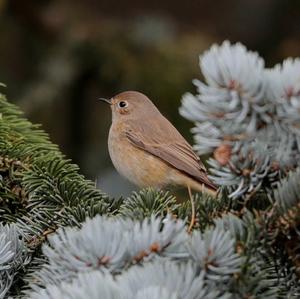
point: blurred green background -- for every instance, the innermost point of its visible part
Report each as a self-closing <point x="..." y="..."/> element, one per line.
<point x="58" y="57"/>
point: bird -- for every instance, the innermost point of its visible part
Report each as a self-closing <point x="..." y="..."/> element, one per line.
<point x="148" y="150"/>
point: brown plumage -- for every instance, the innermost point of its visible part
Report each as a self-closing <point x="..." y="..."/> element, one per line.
<point x="147" y="149"/>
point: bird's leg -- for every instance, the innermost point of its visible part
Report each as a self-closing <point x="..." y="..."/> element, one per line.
<point x="193" y="209"/>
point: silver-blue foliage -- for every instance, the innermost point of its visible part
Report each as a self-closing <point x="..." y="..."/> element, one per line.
<point x="231" y="100"/>
<point x="234" y="225"/>
<point x="110" y="244"/>
<point x="158" y="280"/>
<point x="89" y="285"/>
<point x="250" y="112"/>
<point x="182" y="280"/>
<point x="13" y="256"/>
<point x="287" y="193"/>
<point x="215" y="252"/>
<point x="155" y="257"/>
<point x="283" y="89"/>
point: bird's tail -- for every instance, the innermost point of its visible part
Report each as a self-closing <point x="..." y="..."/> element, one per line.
<point x="206" y="186"/>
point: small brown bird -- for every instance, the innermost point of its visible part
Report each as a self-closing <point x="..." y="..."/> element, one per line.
<point x="148" y="150"/>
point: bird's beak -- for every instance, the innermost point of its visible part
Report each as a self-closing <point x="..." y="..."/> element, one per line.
<point x="108" y="101"/>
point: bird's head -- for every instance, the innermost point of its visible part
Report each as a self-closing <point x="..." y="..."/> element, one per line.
<point x="130" y="105"/>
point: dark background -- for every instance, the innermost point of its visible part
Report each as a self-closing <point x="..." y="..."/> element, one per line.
<point x="58" y="57"/>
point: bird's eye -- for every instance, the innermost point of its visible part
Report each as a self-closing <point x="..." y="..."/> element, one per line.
<point x="122" y="104"/>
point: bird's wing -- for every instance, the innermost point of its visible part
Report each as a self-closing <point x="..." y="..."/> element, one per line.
<point x="166" y="143"/>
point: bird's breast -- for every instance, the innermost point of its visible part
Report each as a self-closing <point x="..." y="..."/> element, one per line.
<point x="138" y="166"/>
